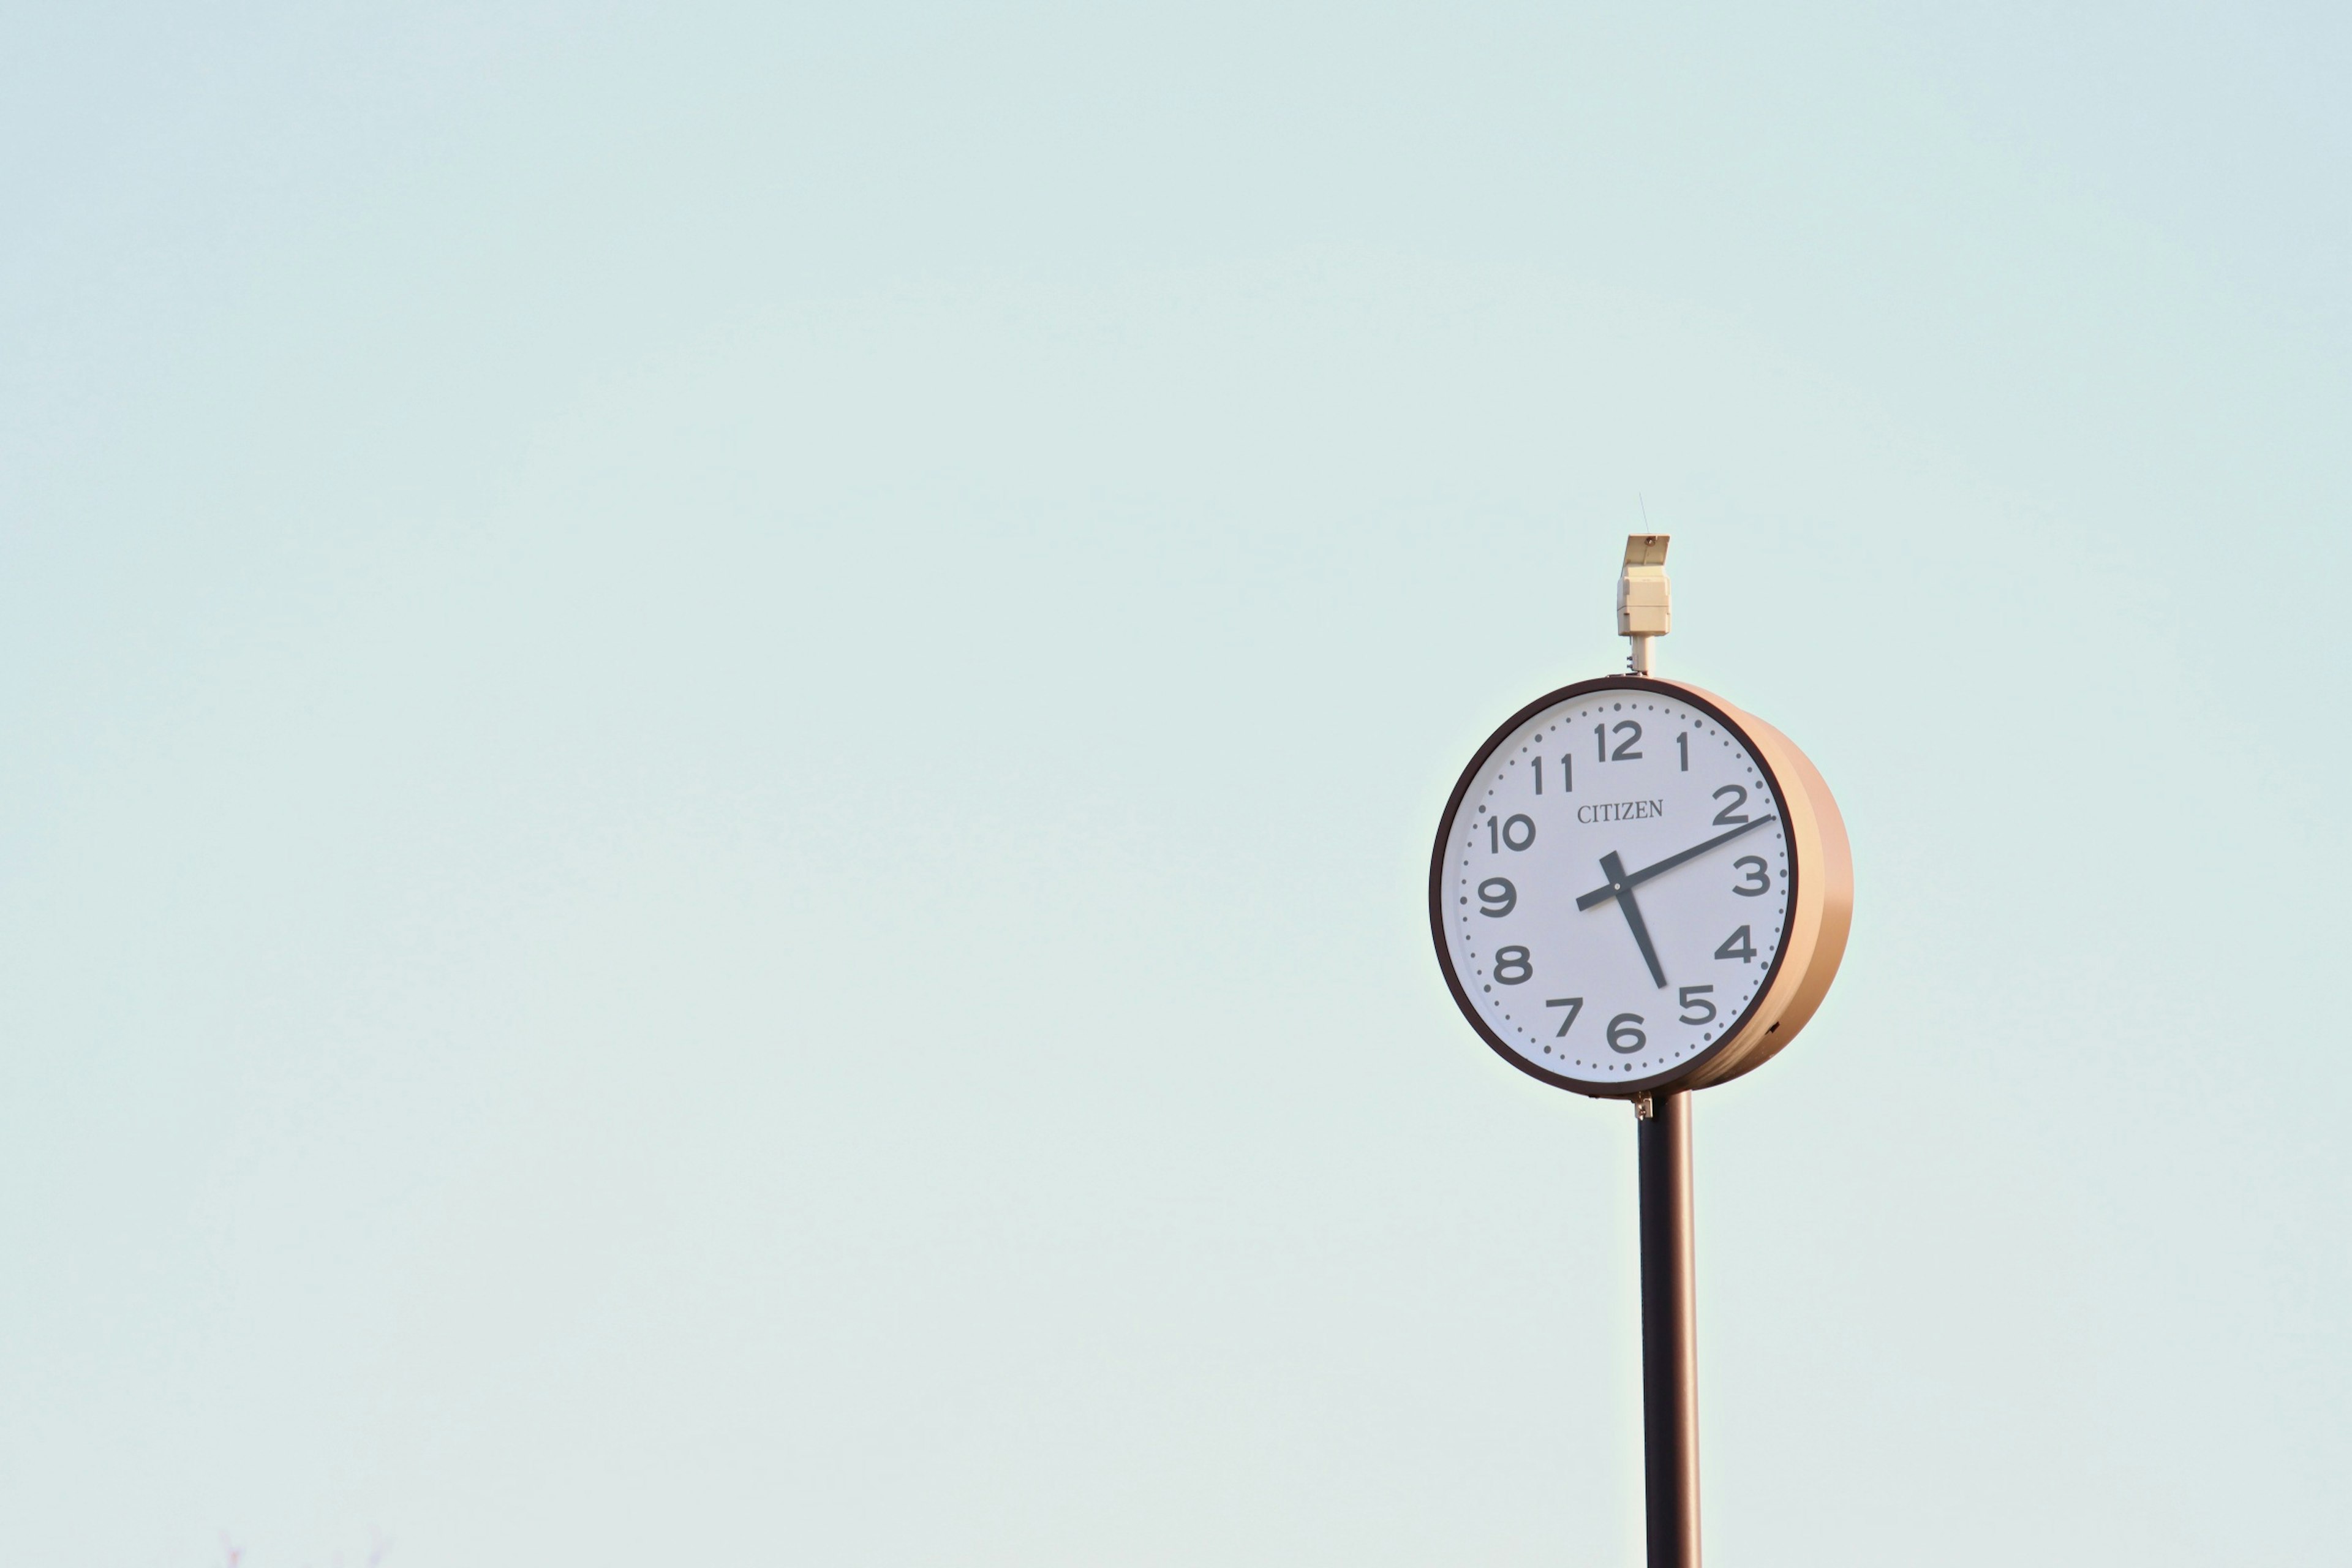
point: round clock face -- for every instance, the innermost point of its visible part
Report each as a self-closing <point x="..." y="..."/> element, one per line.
<point x="1612" y="885"/>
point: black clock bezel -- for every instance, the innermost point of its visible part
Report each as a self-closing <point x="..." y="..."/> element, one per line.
<point x="1627" y="1088"/>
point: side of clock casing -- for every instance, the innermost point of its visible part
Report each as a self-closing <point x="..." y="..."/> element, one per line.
<point x="1820" y="909"/>
<point x="1820" y="917"/>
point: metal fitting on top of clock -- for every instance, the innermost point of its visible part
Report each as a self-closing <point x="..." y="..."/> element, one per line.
<point x="1645" y="599"/>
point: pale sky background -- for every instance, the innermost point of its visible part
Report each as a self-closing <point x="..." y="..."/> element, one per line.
<point x="719" y="728"/>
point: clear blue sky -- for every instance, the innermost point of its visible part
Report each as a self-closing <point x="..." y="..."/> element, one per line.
<point x="718" y="728"/>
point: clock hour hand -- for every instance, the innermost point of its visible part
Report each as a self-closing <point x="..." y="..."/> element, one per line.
<point x="1621" y="887"/>
<point x="1602" y="895"/>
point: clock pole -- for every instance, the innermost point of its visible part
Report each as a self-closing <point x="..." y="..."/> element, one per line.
<point x="1669" y="1303"/>
<point x="1669" y="1330"/>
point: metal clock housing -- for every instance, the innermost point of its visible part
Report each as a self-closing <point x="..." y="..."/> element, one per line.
<point x="1637" y="887"/>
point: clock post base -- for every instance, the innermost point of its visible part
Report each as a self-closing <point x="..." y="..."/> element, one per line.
<point x="1669" y="1331"/>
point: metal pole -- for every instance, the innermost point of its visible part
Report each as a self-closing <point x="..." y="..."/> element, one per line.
<point x="1669" y="1331"/>
<point x="1669" y="1310"/>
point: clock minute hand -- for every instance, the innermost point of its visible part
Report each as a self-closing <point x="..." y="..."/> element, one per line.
<point x="1602" y="895"/>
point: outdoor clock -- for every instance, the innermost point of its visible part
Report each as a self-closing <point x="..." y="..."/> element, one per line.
<point x="1636" y="887"/>
<point x="1638" y="890"/>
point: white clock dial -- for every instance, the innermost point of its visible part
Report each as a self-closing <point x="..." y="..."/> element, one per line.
<point x="1612" y="886"/>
